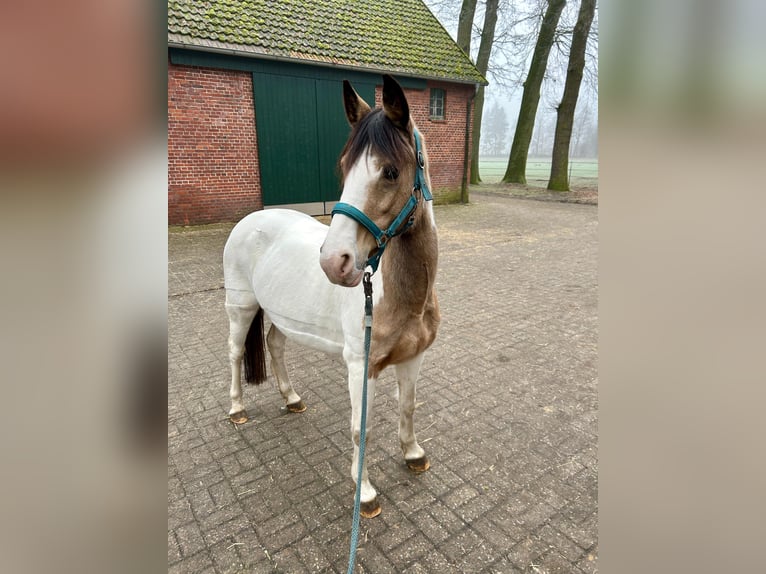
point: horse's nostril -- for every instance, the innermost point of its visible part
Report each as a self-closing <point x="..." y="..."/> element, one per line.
<point x="345" y="263"/>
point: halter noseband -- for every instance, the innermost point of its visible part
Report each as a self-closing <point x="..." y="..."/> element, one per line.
<point x="401" y="222"/>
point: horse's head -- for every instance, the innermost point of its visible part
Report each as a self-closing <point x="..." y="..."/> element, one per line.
<point x="379" y="166"/>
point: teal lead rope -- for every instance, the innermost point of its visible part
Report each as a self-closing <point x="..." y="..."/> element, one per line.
<point x="363" y="431"/>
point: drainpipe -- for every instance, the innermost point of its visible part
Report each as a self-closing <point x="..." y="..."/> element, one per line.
<point x="467" y="150"/>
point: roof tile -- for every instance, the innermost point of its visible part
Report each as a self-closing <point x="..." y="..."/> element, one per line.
<point x="399" y="36"/>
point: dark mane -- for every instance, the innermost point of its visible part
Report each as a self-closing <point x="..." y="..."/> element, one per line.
<point x="376" y="131"/>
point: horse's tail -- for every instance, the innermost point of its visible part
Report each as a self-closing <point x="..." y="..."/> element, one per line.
<point x="255" y="351"/>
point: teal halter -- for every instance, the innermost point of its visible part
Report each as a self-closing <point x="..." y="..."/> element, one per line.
<point x="401" y="222"/>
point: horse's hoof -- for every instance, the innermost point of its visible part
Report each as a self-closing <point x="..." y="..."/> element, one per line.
<point x="238" y="418"/>
<point x="370" y="509"/>
<point x="418" y="465"/>
<point x="298" y="407"/>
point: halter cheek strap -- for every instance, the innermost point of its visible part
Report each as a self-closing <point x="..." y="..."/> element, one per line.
<point x="401" y="222"/>
<point x="399" y="225"/>
<point x="420" y="176"/>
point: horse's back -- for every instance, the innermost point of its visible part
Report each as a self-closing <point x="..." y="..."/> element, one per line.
<point x="268" y="235"/>
<point x="272" y="258"/>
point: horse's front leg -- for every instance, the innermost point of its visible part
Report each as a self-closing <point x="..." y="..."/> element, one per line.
<point x="369" y="497"/>
<point x="414" y="455"/>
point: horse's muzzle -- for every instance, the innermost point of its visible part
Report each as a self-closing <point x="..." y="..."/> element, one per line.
<point x="340" y="268"/>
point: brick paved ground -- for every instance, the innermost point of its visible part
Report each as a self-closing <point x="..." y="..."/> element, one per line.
<point x="507" y="412"/>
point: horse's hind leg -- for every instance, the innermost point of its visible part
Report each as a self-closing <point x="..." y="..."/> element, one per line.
<point x="414" y="455"/>
<point x="276" y="342"/>
<point x="240" y="319"/>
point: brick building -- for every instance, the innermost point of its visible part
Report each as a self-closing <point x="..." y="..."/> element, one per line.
<point x="255" y="110"/>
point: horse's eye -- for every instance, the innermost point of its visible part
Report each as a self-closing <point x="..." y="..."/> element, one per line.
<point x="390" y="173"/>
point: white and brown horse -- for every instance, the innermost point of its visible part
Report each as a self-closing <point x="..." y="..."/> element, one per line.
<point x="278" y="262"/>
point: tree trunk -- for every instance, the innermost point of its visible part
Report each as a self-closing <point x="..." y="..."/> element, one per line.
<point x="517" y="161"/>
<point x="482" y="63"/>
<point x="465" y="25"/>
<point x="559" y="180"/>
<point x="478" y="112"/>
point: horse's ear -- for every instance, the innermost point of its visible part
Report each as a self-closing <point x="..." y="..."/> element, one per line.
<point x="395" y="103"/>
<point x="356" y="107"/>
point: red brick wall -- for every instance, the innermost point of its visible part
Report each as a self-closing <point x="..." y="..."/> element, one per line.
<point x="212" y="150"/>
<point x="445" y="139"/>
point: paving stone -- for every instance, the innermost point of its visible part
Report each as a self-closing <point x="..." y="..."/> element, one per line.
<point x="312" y="555"/>
<point x="190" y="540"/>
<point x="281" y="531"/>
<point x="179" y="512"/>
<point x="175" y="489"/>
<point x="251" y="552"/>
<point x="561" y="543"/>
<point x="434" y="562"/>
<point x="430" y="527"/>
<point x="446" y="518"/>
<point x="202" y="503"/>
<point x="215" y="532"/>
<point x="502" y="566"/>
<point x="174" y="551"/>
<point x="198" y="564"/>
<point x="554" y="563"/>
<point x="468" y="550"/>
<point x="460" y="496"/>
<point x="584" y="534"/>
<point x="527" y="552"/>
<point x="225" y="557"/>
<point x="589" y="562"/>
<point x="395" y="535"/>
<point x="370" y="558"/>
<point x="500" y="538"/>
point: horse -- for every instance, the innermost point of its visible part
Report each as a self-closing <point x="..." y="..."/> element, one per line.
<point x="305" y="276"/>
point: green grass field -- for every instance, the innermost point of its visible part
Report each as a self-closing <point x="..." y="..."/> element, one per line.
<point x="583" y="172"/>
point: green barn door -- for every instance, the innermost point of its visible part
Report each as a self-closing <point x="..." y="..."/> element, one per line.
<point x="302" y="129"/>
<point x="333" y="130"/>
<point x="285" y="118"/>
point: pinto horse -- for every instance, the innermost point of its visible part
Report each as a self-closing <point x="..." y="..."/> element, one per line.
<point x="305" y="277"/>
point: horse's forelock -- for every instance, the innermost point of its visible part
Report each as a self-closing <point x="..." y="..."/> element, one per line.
<point x="376" y="132"/>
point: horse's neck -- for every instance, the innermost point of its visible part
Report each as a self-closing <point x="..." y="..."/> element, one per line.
<point x="410" y="268"/>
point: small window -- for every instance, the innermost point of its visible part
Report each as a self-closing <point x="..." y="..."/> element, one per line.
<point x="437" y="104"/>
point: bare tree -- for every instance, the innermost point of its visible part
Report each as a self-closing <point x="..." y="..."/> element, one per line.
<point x="482" y="61"/>
<point x="465" y="25"/>
<point x="516" y="31"/>
<point x="559" y="180"/>
<point x="517" y="162"/>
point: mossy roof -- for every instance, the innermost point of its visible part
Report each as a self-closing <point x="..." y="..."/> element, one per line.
<point x="397" y="36"/>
